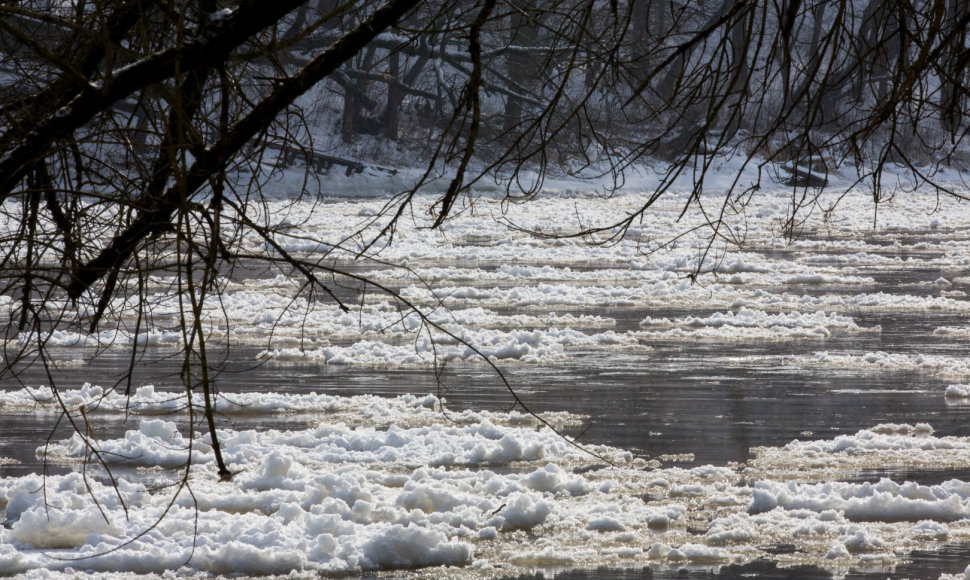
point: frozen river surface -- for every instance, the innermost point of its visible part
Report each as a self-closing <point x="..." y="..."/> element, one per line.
<point x="800" y="409"/>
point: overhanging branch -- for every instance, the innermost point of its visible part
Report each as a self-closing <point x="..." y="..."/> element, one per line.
<point x="214" y="157"/>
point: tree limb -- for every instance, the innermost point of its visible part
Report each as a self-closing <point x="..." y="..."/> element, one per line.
<point x="214" y="157"/>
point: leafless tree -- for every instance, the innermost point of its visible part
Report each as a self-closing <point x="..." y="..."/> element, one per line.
<point x="133" y="135"/>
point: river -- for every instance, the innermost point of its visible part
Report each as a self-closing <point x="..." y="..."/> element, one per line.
<point x="844" y="329"/>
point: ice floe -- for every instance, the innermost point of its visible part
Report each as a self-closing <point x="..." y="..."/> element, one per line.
<point x="395" y="483"/>
<point x="534" y="299"/>
<point x="369" y="483"/>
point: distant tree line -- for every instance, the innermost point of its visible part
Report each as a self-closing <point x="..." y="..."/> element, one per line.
<point x="133" y="134"/>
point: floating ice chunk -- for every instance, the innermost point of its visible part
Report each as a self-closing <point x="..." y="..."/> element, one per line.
<point x="958" y="391"/>
<point x="522" y="511"/>
<point x="748" y="324"/>
<point x="860" y="540"/>
<point x="275" y="473"/>
<point x="929" y="530"/>
<point x="605" y="523"/>
<point x="552" y="479"/>
<point x="954" y="331"/>
<point x="945" y="366"/>
<point x="660" y="518"/>
<point x="523" y="345"/>
<point x="12" y="561"/>
<point x="687" y="490"/>
<point x="885" y="501"/>
<point x="108" y="338"/>
<point x="56" y="528"/>
<point x="233" y="555"/>
<point x="838" y="550"/>
<point x="431" y="498"/>
<point x="922" y="429"/>
<point x="694" y="553"/>
<point x="742" y="265"/>
<point x="816" y="278"/>
<point x="164" y="431"/>
<point x="658" y="551"/>
<point x="407" y="547"/>
<point x="914" y="446"/>
<point x="156" y="442"/>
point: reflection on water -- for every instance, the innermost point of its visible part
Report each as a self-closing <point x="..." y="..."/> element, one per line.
<point x="949" y="559"/>
<point x="711" y="400"/>
<point x="705" y="398"/>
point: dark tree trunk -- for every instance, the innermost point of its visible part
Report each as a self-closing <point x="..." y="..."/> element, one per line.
<point x="523" y="65"/>
<point x="395" y="98"/>
<point x="952" y="95"/>
<point x="353" y="121"/>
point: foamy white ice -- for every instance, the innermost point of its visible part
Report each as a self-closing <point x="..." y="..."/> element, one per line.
<point x="535" y="299"/>
<point x="377" y="484"/>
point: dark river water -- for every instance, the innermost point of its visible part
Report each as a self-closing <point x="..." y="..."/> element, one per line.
<point x="712" y="400"/>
